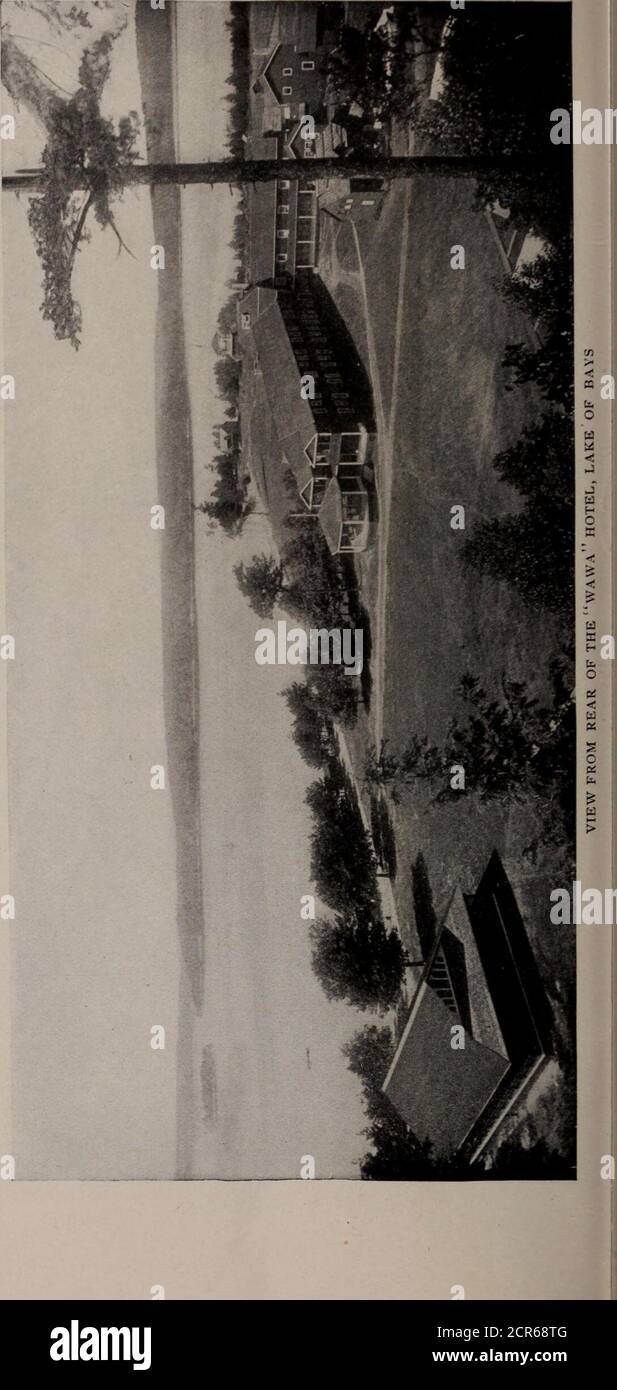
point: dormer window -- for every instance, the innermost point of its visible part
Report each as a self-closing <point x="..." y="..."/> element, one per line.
<point x="289" y="72"/>
<point x="287" y="91"/>
<point x="307" y="66"/>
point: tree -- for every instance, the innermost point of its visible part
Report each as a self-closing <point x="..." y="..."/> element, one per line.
<point x="361" y="66"/>
<point x="227" y="378"/>
<point x="369" y="1054"/>
<point x="334" y="692"/>
<point x="85" y="163"/>
<point x="505" y="68"/>
<point x="396" y="1154"/>
<point x="357" y="69"/>
<point x="358" y="960"/>
<point x="240" y="76"/>
<point x="535" y="1162"/>
<point x="534" y="549"/>
<point x="427" y="922"/>
<point x="318" y="587"/>
<point x="544" y="292"/>
<point x="63" y="18"/>
<point x="262" y="583"/>
<point x="510" y="749"/>
<point x="343" y="864"/>
<point x="487" y="106"/>
<point x="312" y="730"/>
<point x="85" y="155"/>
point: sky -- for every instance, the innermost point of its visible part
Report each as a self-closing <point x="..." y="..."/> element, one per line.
<point x="95" y="962"/>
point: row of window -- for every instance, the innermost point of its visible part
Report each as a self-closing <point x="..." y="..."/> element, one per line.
<point x="301" y="264"/>
<point x="306" y="66"/>
<point x="283" y="211"/>
<point x="283" y="233"/>
<point x="307" y="186"/>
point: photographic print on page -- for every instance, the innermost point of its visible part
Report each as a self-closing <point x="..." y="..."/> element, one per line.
<point x="291" y="469"/>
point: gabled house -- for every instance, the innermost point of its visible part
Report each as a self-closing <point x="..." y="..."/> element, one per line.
<point x="225" y="437"/>
<point x="344" y="514"/>
<point x="479" y="1028"/>
<point x="328" y="141"/>
<point x="357" y="199"/>
<point x="224" y="343"/>
<point x="295" y="75"/>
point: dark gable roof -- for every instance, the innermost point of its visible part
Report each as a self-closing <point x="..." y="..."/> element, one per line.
<point x="262" y="18"/>
<point x="293" y="417"/>
<point x="331" y="515"/>
<point x="262" y="83"/>
<point x="481" y="975"/>
<point x="439" y="1090"/>
<point x="298" y="24"/>
<point x="262" y="227"/>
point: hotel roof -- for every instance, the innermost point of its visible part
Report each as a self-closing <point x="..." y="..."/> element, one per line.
<point x="269" y="340"/>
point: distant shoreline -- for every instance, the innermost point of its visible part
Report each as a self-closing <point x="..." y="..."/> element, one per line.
<point x="174" y="465"/>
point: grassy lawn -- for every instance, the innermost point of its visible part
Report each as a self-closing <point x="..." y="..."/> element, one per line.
<point x="449" y="416"/>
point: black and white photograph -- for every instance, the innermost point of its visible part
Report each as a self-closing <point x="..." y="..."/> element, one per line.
<point x="288" y="411"/>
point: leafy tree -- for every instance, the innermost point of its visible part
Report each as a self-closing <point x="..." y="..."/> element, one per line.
<point x="510" y="748"/>
<point x="86" y="155"/>
<point x="228" y="511"/>
<point x="63" y="18"/>
<point x="240" y="76"/>
<point x="486" y="106"/>
<point x="534" y="549"/>
<point x="85" y="164"/>
<point x="358" y="960"/>
<point x="227" y="378"/>
<point x="229" y="503"/>
<point x="369" y="1054"/>
<point x="312" y="730"/>
<point x="356" y="69"/>
<point x="342" y="860"/>
<point x="396" y="1154"/>
<point x="423" y="905"/>
<point x="384" y="838"/>
<point x="317" y="589"/>
<point x="544" y="292"/>
<point x="334" y="692"/>
<point x="505" y="68"/>
<point x="262" y="583"/>
<point x="512" y="1161"/>
<point x="361" y="65"/>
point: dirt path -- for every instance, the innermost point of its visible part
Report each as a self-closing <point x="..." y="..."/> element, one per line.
<point x="385" y="449"/>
